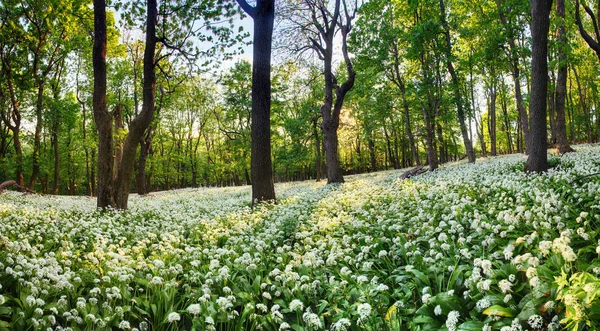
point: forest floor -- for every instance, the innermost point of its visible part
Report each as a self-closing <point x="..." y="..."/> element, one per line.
<point x="467" y="247"/>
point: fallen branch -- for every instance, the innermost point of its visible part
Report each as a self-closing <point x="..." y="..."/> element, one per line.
<point x="413" y="172"/>
<point x="582" y="177"/>
<point x="9" y="183"/>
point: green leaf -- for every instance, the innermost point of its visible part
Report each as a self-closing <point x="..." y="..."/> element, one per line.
<point x="471" y="326"/>
<point x="497" y="310"/>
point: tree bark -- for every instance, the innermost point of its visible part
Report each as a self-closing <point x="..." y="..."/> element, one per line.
<point x="102" y="117"/>
<point x="540" y="25"/>
<point x="141" y="122"/>
<point x="456" y="87"/>
<point x="492" y="118"/>
<point x="35" y="170"/>
<point x="562" y="144"/>
<point x="318" y="162"/>
<point x="506" y="121"/>
<point x="263" y="188"/>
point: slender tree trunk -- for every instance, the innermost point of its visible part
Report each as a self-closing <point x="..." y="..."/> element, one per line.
<point x="400" y="83"/>
<point x="56" y="161"/>
<point x="516" y="73"/>
<point x="481" y="135"/>
<point x="456" y="87"/>
<point x="101" y="115"/>
<point x="562" y="144"/>
<point x="583" y="106"/>
<point x="506" y="122"/>
<point x="431" y="146"/>
<point x="37" y="137"/>
<point x="372" y="154"/>
<point x="540" y="25"/>
<point x="492" y="118"/>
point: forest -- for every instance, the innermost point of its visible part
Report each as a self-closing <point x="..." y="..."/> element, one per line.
<point x="431" y="82"/>
<point x="299" y="165"/>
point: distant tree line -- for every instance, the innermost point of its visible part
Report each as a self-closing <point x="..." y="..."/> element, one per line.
<point x="359" y="87"/>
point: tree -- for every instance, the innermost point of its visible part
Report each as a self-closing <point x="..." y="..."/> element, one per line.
<point x="263" y="15"/>
<point x="102" y="117"/>
<point x="317" y="23"/>
<point x="594" y="44"/>
<point x="11" y="37"/>
<point x="562" y="143"/>
<point x="540" y="26"/>
<point x="505" y="11"/>
<point x="456" y="85"/>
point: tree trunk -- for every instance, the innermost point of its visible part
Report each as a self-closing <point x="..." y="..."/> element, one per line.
<point x="540" y="25"/>
<point x="330" y="139"/>
<point x="140" y="123"/>
<point x="516" y="73"/>
<point x="56" y="158"/>
<point x="584" y="107"/>
<point x="261" y="165"/>
<point x="560" y="128"/>
<point x="372" y="154"/>
<point x="492" y="118"/>
<point x="506" y="122"/>
<point x="318" y="162"/>
<point x="456" y="87"/>
<point x="481" y="135"/>
<point x="119" y="126"/>
<point x="101" y="115"/>
<point x="432" y="157"/>
<point x="37" y="137"/>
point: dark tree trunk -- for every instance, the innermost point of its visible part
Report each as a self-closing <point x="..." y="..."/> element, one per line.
<point x="318" y="162"/>
<point x="516" y="73"/>
<point x="432" y="157"/>
<point x="584" y="107"/>
<point x="481" y="135"/>
<point x="540" y="25"/>
<point x="102" y="117"/>
<point x="37" y="137"/>
<point x="492" y="118"/>
<point x="119" y="126"/>
<point x="409" y="132"/>
<point x="506" y="122"/>
<point x="372" y="154"/>
<point x="261" y="165"/>
<point x="56" y="163"/>
<point x="330" y="140"/>
<point x="140" y="123"/>
<point x="399" y="81"/>
<point x="145" y="146"/>
<point x="456" y="87"/>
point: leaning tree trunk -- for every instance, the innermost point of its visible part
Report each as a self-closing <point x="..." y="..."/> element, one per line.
<point x="456" y="87"/>
<point x="540" y="25"/>
<point x="102" y="117"/>
<point x="560" y="128"/>
<point x="140" y="123"/>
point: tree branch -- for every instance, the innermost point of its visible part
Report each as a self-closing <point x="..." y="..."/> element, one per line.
<point x="251" y="11"/>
